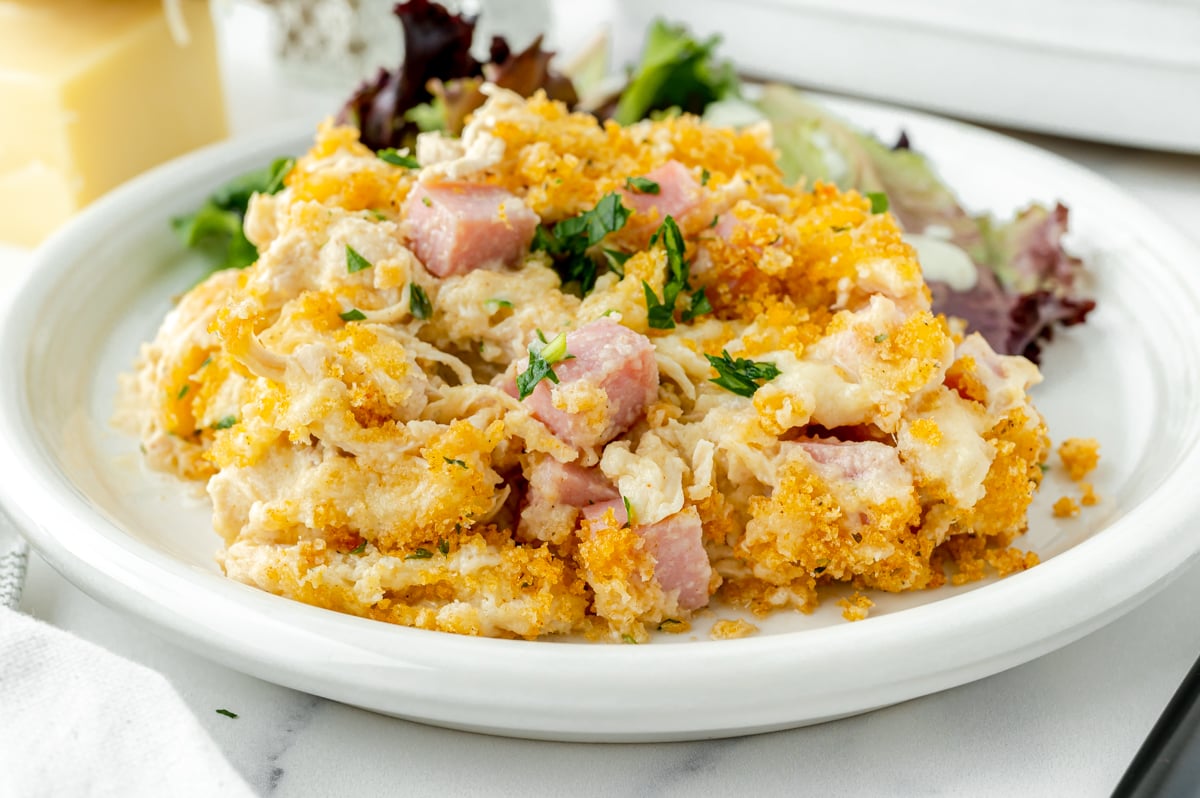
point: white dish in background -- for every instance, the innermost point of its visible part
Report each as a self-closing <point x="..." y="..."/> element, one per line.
<point x="1121" y="71"/>
<point x="142" y="542"/>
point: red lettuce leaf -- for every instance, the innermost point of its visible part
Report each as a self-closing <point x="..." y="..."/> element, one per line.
<point x="440" y="78"/>
<point x="1026" y="285"/>
<point x="437" y="44"/>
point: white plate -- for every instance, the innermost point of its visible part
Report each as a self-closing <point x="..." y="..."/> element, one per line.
<point x="143" y="542"/>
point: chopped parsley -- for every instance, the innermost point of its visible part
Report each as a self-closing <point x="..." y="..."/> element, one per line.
<point x="353" y="314"/>
<point x="226" y="422"/>
<point x="716" y="219"/>
<point x="879" y="201"/>
<point x="494" y="304"/>
<point x="1044" y="466"/>
<point x="822" y="564"/>
<point x="182" y="392"/>
<point x="629" y="639"/>
<point x="392" y="156"/>
<point x="628" y="513"/>
<point x="207" y="360"/>
<point x="741" y="376"/>
<point x="420" y="554"/>
<point x="541" y="362"/>
<point x="354" y="261"/>
<point x="427" y="202"/>
<point x="360" y="548"/>
<point x="667" y="623"/>
<point x="642" y="185"/>
<point x="227" y="713"/>
<point x="616" y="260"/>
<point x="568" y="242"/>
<point x="704" y="176"/>
<point x="451" y="461"/>
<point x="700" y="306"/>
<point x="443" y="546"/>
<point x="661" y="315"/>
<point x="418" y="302"/>
<point x="880" y="338"/>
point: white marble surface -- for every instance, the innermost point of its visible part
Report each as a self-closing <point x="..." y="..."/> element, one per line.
<point x="1065" y="724"/>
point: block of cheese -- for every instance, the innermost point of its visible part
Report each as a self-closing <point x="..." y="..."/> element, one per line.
<point x="93" y="92"/>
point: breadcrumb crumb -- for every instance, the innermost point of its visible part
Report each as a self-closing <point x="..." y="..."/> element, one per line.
<point x="856" y="608"/>
<point x="1066" y="507"/>
<point x="1079" y="456"/>
<point x="731" y="630"/>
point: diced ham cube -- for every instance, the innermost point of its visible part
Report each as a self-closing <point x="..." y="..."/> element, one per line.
<point x="458" y="227"/>
<point x="680" y="561"/>
<point x="677" y="545"/>
<point x="594" y="512"/>
<point x="556" y="492"/>
<point x="860" y="473"/>
<point x="850" y="460"/>
<point x="603" y="388"/>
<point x="678" y="194"/>
<point x="566" y="483"/>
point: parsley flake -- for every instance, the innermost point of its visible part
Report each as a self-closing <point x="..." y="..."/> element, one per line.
<point x="360" y="548"/>
<point x="494" y="304"/>
<point x="207" y="360"/>
<point x="642" y="185"/>
<point x="568" y="242"/>
<point x="704" y="176"/>
<point x="227" y="713"/>
<point x="700" y="306"/>
<point x="741" y="376"/>
<point x="392" y="156"/>
<point x="451" y="461"/>
<point x="353" y="314"/>
<point x="420" y="554"/>
<point x="1044" y="466"/>
<point x="182" y="392"/>
<point x="616" y="260"/>
<point x="879" y="201"/>
<point x="661" y="315"/>
<point x="541" y="361"/>
<point x="628" y="513"/>
<point x="418" y="302"/>
<point x="444" y="546"/>
<point x="427" y="202"/>
<point x="354" y="261"/>
<point x="629" y="639"/>
<point x="880" y="338"/>
<point x="226" y="422"/>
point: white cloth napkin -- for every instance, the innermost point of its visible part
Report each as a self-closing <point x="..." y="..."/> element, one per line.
<point x="76" y="720"/>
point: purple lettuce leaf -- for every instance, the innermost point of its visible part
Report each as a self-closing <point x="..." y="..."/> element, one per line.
<point x="437" y="85"/>
<point x="437" y="44"/>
